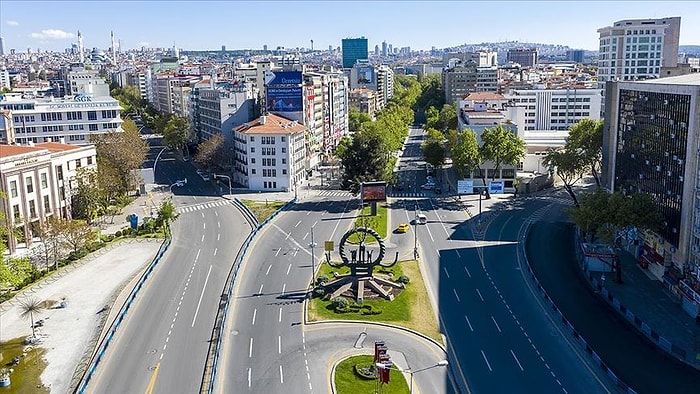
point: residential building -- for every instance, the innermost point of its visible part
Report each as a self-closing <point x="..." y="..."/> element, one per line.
<point x="270" y="152"/>
<point x="220" y="107"/>
<point x="354" y="49"/>
<point x="385" y="85"/>
<point x="651" y="144"/>
<point x="364" y="100"/>
<point x="325" y="113"/>
<point x="575" y="55"/>
<point x="636" y="49"/>
<point x="526" y="57"/>
<point x="37" y="182"/>
<point x="553" y="109"/>
<point x="87" y="82"/>
<point x="480" y="59"/>
<point x="71" y="119"/>
<point x="461" y="79"/>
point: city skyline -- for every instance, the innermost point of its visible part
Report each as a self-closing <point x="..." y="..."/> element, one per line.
<point x="415" y="24"/>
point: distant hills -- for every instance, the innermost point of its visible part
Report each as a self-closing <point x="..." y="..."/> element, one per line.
<point x="689" y="49"/>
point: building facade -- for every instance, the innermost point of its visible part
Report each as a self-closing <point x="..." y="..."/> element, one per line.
<point x="69" y="119"/>
<point x="38" y="181"/>
<point x="269" y="154"/>
<point x="651" y="145"/>
<point x="354" y="49"/>
<point x="636" y="49"/>
<point x="553" y="109"/>
<point x="526" y="57"/>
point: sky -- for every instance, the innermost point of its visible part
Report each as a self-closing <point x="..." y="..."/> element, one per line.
<point x="207" y="25"/>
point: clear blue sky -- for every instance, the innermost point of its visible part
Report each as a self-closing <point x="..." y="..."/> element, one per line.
<point x="53" y="25"/>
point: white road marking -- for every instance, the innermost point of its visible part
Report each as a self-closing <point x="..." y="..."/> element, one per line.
<point x="281" y="375"/>
<point x="196" y="311"/>
<point x="307" y="234"/>
<point x="494" y="322"/>
<point x="288" y="235"/>
<point x="459" y="256"/>
<point x="215" y="249"/>
<point x="202" y="214"/>
<point x="517" y="361"/>
<point x="467" y="271"/>
<point x="446" y="273"/>
<point x="204" y="225"/>
<point x="216" y="213"/>
<point x="279" y="344"/>
<point x="479" y="293"/>
<point x="197" y="257"/>
<point x="268" y="269"/>
<point x="280" y="317"/>
<point x="278" y="252"/>
<point x="218" y="237"/>
<point x="297" y="225"/>
<point x="255" y="312"/>
<point x="487" y="361"/>
<point x="250" y="348"/>
<point x="456" y="295"/>
<point x="289" y="268"/>
<point x="202" y="237"/>
<point x="249" y="377"/>
<point x="218" y="224"/>
<point x="284" y="287"/>
<point x="469" y="323"/>
<point x="260" y="291"/>
<point x="296" y="251"/>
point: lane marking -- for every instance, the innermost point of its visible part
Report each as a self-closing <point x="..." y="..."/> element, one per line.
<point x="467" y="271"/>
<point x="279" y="344"/>
<point x="487" y="361"/>
<point x="281" y="376"/>
<point x="204" y="225"/>
<point x="248" y="377"/>
<point x="307" y="234"/>
<point x="297" y="225"/>
<point x="255" y="312"/>
<point x="268" y="269"/>
<point x="202" y="237"/>
<point x="284" y="286"/>
<point x="494" y="322"/>
<point x="517" y="361"/>
<point x="218" y="237"/>
<point x="459" y="256"/>
<point x="218" y="224"/>
<point x="288" y="235"/>
<point x="308" y="213"/>
<point x="479" y="293"/>
<point x="250" y="348"/>
<point x="260" y="291"/>
<point x="289" y="268"/>
<point x="456" y="295"/>
<point x="469" y="323"/>
<point x="152" y="381"/>
<point x="446" y="273"/>
<point x="196" y="311"/>
<point x="215" y="250"/>
<point x="280" y="317"/>
<point x="197" y="257"/>
<point x="278" y="252"/>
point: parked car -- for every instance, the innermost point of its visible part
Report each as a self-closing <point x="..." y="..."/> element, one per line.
<point x="402" y="228"/>
<point x="421" y="219"/>
<point x="428" y="186"/>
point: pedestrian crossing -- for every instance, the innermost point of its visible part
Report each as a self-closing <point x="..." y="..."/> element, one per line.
<point x="335" y="193"/>
<point x="205" y="205"/>
<point x="347" y="194"/>
<point x="408" y="194"/>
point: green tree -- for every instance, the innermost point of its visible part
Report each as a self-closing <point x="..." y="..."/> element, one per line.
<point x="28" y="307"/>
<point x="76" y="234"/>
<point x="211" y="151"/>
<point x="118" y="154"/>
<point x="502" y="147"/>
<point x="365" y="159"/>
<point x="586" y="138"/>
<point x="568" y="166"/>
<point x="464" y="149"/>
<point x="15" y="271"/>
<point x="4" y="230"/>
<point x="434" y="151"/>
<point x="447" y="117"/>
<point x="87" y="197"/>
<point x="166" y="215"/>
<point x="357" y="119"/>
<point x="176" y="133"/>
<point x="49" y="250"/>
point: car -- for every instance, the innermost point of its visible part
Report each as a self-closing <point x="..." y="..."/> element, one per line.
<point x="200" y="171"/>
<point x="205" y="177"/>
<point x="402" y="228"/>
<point x="421" y="219"/>
<point x="428" y="186"/>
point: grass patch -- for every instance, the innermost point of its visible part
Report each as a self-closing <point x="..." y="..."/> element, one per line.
<point x="25" y="377"/>
<point x="347" y="381"/>
<point x="377" y="223"/>
<point x="410" y="309"/>
<point x="263" y="210"/>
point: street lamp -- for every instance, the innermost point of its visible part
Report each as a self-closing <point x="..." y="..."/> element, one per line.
<point x="478" y="222"/>
<point x="179" y="183"/>
<point x="155" y="162"/>
<point x="441" y="363"/>
<point x="415" y="232"/>
<point x="227" y="178"/>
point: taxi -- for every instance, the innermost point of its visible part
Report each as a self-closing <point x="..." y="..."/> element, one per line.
<point x="403" y="227"/>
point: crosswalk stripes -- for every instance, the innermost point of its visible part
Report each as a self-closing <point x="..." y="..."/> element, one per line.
<point x="334" y="193"/>
<point x="407" y="194"/>
<point x="205" y="205"/>
<point x="344" y="193"/>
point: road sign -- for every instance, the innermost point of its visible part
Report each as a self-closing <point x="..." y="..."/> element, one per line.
<point x="496" y="187"/>
<point x="328" y="246"/>
<point x="465" y="186"/>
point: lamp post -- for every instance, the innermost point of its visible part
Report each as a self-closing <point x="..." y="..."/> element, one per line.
<point x="312" y="245"/>
<point x="155" y="162"/>
<point x="441" y="363"/>
<point x="415" y="232"/>
<point x="178" y="183"/>
<point x="228" y="178"/>
<point x="478" y="222"/>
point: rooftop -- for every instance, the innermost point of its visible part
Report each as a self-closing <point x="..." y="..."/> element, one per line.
<point x="688" y="79"/>
<point x="14" y="150"/>
<point x="271" y="124"/>
<point x="480" y="96"/>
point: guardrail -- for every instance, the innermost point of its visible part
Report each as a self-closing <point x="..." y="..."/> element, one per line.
<point x="209" y="376"/>
<point x="120" y="317"/>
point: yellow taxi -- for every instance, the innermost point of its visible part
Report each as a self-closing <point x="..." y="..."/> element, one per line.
<point x="403" y="227"/>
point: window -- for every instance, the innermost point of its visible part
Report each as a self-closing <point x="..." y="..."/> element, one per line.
<point x="252" y="138"/>
<point x="13" y="188"/>
<point x="284" y="172"/>
<point x="283" y="138"/>
<point x="30" y="185"/>
<point x="15" y="211"/>
<point x="59" y="172"/>
<point x="62" y="192"/>
<point x="44" y="181"/>
<point x="92" y="127"/>
<point x="284" y="161"/>
<point x="284" y="150"/>
<point x="89" y="160"/>
<point x="252" y="160"/>
<point x="92" y="115"/>
<point x="252" y="149"/>
<point x="32" y="209"/>
<point x="47" y="206"/>
<point x="77" y="163"/>
<point x="252" y="171"/>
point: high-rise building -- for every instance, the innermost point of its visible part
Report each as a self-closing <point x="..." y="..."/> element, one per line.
<point x="2" y="46"/>
<point x="575" y="55"/>
<point x="636" y="49"/>
<point x="385" y="48"/>
<point x="650" y="145"/>
<point x="526" y="57"/>
<point x="354" y="49"/>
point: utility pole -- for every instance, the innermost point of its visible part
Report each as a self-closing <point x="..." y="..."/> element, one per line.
<point x="415" y="232"/>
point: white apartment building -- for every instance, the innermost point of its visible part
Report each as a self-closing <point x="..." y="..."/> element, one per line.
<point x="219" y="107"/>
<point x="87" y="82"/>
<point x="636" y="49"/>
<point x="172" y="93"/>
<point x="552" y="109"/>
<point x="37" y="181"/>
<point x="71" y="119"/>
<point x="269" y="154"/>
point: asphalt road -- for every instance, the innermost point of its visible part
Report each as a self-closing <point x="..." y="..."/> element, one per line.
<point x="161" y="346"/>
<point x="499" y="338"/>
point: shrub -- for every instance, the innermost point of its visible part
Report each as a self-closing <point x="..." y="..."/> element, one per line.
<point x="369" y="372"/>
<point x="118" y="234"/>
<point x="404" y="279"/>
<point x="319" y="292"/>
<point x="340" y="303"/>
<point x="322" y="279"/>
<point x="372" y="312"/>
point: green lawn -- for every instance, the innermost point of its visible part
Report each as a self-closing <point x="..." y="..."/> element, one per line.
<point x="410" y="309"/>
<point x="347" y="381"/>
<point x="263" y="210"/>
<point x="377" y="223"/>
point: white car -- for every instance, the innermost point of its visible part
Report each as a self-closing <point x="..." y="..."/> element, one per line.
<point x="428" y="186"/>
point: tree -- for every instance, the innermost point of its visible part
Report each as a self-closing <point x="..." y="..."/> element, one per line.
<point x="118" y="154"/>
<point x="586" y="138"/>
<point x="15" y="271"/>
<point x="464" y="150"/>
<point x="166" y="214"/>
<point x="76" y="233"/>
<point x="4" y="230"/>
<point x="28" y="307"/>
<point x="357" y="119"/>
<point x="501" y="146"/>
<point x="48" y="251"/>
<point x="211" y="151"/>
<point x="434" y="151"/>
<point x="568" y="166"/>
<point x="365" y="159"/>
<point x="176" y="132"/>
<point x="87" y="198"/>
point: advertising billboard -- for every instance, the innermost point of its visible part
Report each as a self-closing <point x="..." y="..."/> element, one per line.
<point x="283" y="78"/>
<point x="465" y="186"/>
<point x="496" y="187"/>
<point x="284" y="99"/>
<point x="373" y="191"/>
<point x="365" y="75"/>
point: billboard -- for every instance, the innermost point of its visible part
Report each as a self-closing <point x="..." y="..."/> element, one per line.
<point x="284" y="99"/>
<point x="283" y="78"/>
<point x="365" y="75"/>
<point x="373" y="191"/>
<point x="496" y="187"/>
<point x="465" y="186"/>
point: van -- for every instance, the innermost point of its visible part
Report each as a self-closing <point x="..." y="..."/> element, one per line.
<point x="421" y="219"/>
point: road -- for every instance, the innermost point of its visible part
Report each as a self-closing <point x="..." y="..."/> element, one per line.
<point x="161" y="346"/>
<point x="499" y="338"/>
